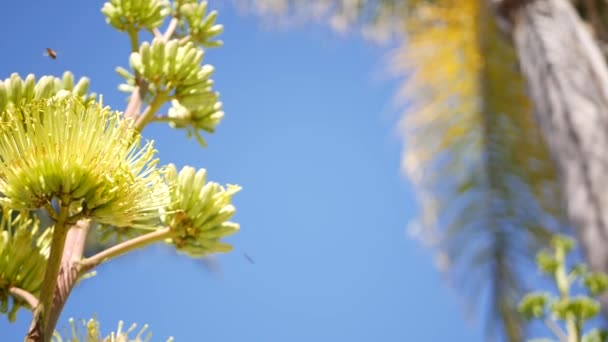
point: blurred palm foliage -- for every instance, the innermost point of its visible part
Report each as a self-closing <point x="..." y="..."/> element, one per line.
<point x="486" y="186"/>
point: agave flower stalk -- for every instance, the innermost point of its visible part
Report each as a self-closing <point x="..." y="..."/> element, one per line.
<point x="42" y="313"/>
<point x="170" y="70"/>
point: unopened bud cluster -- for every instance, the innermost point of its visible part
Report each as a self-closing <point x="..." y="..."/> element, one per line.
<point x="15" y="90"/>
<point x="133" y="15"/>
<point x="200" y="212"/>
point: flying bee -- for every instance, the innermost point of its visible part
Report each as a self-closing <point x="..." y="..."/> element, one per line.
<point x="51" y="53"/>
<point x="248" y="258"/>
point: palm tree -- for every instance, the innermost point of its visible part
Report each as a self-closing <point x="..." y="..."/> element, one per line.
<point x="503" y="129"/>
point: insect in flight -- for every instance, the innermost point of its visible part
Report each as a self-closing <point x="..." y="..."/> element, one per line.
<point x="51" y="53"/>
<point x="248" y="258"/>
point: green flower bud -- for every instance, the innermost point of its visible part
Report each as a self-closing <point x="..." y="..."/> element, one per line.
<point x="84" y="155"/>
<point x="124" y="73"/>
<point x="15" y="91"/>
<point x="68" y="80"/>
<point x="45" y="88"/>
<point x="126" y="88"/>
<point x="134" y="15"/>
<point x="28" y="87"/>
<point x="199" y="212"/>
<point x="82" y="86"/>
<point x="168" y="65"/>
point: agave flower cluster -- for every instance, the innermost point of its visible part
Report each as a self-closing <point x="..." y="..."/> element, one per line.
<point x="23" y="255"/>
<point x="202" y="28"/>
<point x="204" y="117"/>
<point x="15" y="91"/>
<point x="174" y="69"/>
<point x="199" y="212"/>
<point x="170" y="64"/>
<point x="84" y="156"/>
<point x="133" y="15"/>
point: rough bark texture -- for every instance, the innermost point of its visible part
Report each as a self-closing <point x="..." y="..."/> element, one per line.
<point x="567" y="80"/>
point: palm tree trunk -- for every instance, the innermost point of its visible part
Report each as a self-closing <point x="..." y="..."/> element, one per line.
<point x="567" y="79"/>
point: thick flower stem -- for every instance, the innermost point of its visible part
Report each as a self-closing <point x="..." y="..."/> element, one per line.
<point x="148" y="114"/>
<point x="68" y="275"/>
<point x="125" y="247"/>
<point x="134" y="106"/>
<point x="134" y="39"/>
<point x="39" y="330"/>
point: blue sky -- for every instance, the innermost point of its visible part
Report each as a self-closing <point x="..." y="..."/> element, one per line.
<point x="310" y="134"/>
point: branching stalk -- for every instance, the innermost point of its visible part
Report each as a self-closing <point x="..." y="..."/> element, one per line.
<point x="124" y="247"/>
<point x="157" y="33"/>
<point x="556" y="330"/>
<point x="25" y="296"/>
<point x="158" y="101"/>
<point x="134" y="106"/>
<point x="171" y="29"/>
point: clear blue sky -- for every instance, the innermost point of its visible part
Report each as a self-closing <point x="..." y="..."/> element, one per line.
<point x="310" y="135"/>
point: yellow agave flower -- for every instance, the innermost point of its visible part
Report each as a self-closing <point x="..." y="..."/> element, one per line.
<point x="86" y="157"/>
<point x="90" y="331"/>
<point x="199" y="212"/>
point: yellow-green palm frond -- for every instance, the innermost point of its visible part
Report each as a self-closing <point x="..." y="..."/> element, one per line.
<point x="483" y="176"/>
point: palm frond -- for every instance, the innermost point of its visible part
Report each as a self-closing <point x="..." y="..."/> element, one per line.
<point x="486" y="184"/>
<point x="483" y="178"/>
